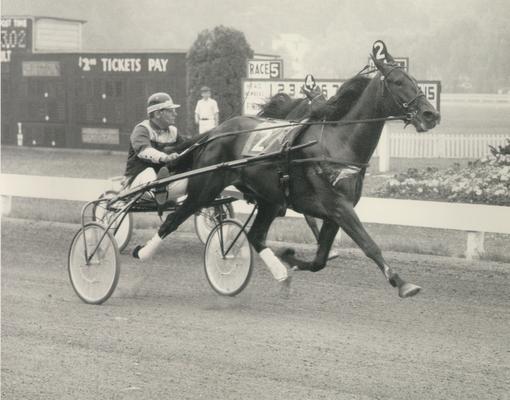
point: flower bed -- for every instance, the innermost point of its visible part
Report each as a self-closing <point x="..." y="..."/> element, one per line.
<point x="485" y="181"/>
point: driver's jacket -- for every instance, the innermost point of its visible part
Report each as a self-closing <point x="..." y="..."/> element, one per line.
<point x="147" y="134"/>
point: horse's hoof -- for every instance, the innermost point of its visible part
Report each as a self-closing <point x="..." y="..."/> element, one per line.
<point x="136" y="251"/>
<point x="408" y="290"/>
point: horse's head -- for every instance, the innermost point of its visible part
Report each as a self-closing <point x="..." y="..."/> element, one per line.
<point x="402" y="94"/>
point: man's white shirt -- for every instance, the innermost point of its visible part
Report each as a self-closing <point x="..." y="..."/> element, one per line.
<point x="206" y="111"/>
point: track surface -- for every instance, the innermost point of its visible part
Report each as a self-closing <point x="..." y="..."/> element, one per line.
<point x="342" y="334"/>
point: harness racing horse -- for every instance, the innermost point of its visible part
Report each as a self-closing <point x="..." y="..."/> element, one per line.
<point x="282" y="106"/>
<point x="324" y="180"/>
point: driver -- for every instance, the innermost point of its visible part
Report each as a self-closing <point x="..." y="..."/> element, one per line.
<point x="153" y="144"/>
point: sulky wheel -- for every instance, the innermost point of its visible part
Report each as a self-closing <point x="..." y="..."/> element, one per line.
<point x="207" y="218"/>
<point x="95" y="281"/>
<point x="122" y="229"/>
<point x="228" y="258"/>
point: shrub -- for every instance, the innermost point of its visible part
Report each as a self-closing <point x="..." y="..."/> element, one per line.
<point x="485" y="181"/>
<point x="218" y="59"/>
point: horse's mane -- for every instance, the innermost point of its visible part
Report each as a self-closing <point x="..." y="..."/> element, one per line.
<point x="344" y="99"/>
<point x="282" y="106"/>
<point x="279" y="106"/>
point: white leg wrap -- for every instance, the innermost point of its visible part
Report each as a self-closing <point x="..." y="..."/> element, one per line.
<point x="276" y="267"/>
<point x="150" y="248"/>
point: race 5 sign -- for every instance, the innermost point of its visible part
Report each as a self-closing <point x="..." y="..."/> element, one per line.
<point x="265" y="69"/>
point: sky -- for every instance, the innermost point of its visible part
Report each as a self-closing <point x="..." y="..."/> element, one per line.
<point x="337" y="34"/>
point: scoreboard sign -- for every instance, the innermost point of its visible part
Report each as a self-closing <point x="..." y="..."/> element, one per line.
<point x="401" y="61"/>
<point x="432" y="91"/>
<point x="257" y="91"/>
<point x="16" y="36"/>
<point x="265" y="69"/>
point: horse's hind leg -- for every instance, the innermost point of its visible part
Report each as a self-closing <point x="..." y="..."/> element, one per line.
<point x="325" y="240"/>
<point x="347" y="218"/>
<point x="257" y="235"/>
<point x="170" y="224"/>
<point x="199" y="193"/>
<point x="312" y="224"/>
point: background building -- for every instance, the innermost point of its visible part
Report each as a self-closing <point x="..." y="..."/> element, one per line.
<point x="54" y="94"/>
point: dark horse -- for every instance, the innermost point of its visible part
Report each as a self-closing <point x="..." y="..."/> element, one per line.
<point x="325" y="185"/>
<point x="282" y="106"/>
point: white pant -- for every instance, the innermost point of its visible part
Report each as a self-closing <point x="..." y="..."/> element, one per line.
<point x="175" y="189"/>
<point x="205" y="125"/>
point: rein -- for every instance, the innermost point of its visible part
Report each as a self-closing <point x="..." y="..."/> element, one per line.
<point x="201" y="142"/>
<point x="404" y="117"/>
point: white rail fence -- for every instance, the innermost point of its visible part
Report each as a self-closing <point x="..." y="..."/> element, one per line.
<point x="476" y="98"/>
<point x="398" y="143"/>
<point x="475" y="219"/>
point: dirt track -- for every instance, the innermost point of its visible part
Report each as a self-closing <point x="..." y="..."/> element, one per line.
<point x="343" y="334"/>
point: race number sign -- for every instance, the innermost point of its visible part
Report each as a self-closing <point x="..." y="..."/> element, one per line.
<point x="380" y="53"/>
<point x="264" y="69"/>
<point x="257" y="92"/>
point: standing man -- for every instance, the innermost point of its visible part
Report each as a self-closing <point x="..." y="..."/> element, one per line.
<point x="206" y="111"/>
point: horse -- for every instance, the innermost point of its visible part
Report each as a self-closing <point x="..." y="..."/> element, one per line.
<point x="324" y="180"/>
<point x="282" y="106"/>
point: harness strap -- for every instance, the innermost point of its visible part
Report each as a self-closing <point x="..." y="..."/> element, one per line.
<point x="329" y="160"/>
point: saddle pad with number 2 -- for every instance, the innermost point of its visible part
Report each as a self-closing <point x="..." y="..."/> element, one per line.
<point x="267" y="140"/>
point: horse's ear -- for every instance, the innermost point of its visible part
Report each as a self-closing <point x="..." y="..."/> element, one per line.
<point x="380" y="54"/>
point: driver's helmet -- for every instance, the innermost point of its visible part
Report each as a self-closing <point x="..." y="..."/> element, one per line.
<point x="160" y="101"/>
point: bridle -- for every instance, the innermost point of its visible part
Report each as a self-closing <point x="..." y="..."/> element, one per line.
<point x="406" y="107"/>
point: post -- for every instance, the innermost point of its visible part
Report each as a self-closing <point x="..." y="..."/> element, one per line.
<point x="6" y="205"/>
<point x="19" y="136"/>
<point x="475" y="245"/>
<point x="384" y="149"/>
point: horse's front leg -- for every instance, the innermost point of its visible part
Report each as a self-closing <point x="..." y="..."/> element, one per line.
<point x="325" y="240"/>
<point x="347" y="218"/>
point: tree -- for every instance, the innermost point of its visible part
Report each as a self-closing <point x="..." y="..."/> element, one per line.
<point x="218" y="59"/>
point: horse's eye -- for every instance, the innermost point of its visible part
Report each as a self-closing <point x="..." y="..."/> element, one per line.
<point x="399" y="82"/>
